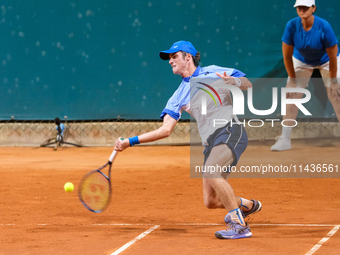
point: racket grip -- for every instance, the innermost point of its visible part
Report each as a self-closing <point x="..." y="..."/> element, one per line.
<point x="113" y="155"/>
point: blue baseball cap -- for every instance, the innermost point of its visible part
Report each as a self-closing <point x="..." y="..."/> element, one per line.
<point x="179" y="46"/>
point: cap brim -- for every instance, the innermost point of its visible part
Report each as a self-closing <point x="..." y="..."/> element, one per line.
<point x="165" y="54"/>
<point x="296" y="5"/>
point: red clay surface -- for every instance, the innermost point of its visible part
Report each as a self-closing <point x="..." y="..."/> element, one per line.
<point x="152" y="186"/>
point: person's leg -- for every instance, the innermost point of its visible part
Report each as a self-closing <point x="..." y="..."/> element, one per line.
<point x="335" y="100"/>
<point x="212" y="201"/>
<point x="248" y="207"/>
<point x="221" y="155"/>
<point x="245" y="204"/>
<point x="303" y="73"/>
<point x="218" y="193"/>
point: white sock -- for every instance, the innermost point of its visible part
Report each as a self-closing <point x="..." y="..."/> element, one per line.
<point x="286" y="131"/>
<point x="236" y="216"/>
<point x="242" y="205"/>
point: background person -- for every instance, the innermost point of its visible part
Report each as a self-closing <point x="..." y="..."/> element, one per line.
<point x="308" y="43"/>
<point x="60" y="129"/>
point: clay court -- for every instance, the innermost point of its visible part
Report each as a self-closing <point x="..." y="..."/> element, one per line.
<point x="157" y="208"/>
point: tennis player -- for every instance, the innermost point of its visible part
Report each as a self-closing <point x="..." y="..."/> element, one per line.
<point x="223" y="146"/>
<point x="308" y="43"/>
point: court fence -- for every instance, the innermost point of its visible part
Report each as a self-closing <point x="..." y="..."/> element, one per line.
<point x="104" y="133"/>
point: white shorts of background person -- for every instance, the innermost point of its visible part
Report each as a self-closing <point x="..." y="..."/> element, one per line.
<point x="304" y="72"/>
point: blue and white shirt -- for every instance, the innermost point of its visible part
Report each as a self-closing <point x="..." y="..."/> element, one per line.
<point x="62" y="127"/>
<point x="310" y="46"/>
<point x="184" y="99"/>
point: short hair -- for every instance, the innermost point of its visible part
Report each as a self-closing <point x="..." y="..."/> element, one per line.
<point x="196" y="59"/>
<point x="315" y="8"/>
<point x="57" y="121"/>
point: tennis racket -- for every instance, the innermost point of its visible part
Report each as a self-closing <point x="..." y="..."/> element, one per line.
<point x="95" y="187"/>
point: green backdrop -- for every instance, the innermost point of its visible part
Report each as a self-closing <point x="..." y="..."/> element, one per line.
<point x="99" y="59"/>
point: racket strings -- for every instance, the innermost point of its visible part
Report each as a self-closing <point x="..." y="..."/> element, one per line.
<point x="95" y="191"/>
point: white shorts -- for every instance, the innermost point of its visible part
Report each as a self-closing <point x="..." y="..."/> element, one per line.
<point x="304" y="71"/>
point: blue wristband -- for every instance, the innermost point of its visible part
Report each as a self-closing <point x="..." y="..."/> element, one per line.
<point x="133" y="140"/>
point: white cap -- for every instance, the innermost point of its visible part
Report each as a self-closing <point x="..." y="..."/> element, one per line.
<point x="307" y="3"/>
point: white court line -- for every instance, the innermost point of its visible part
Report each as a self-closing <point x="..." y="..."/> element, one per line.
<point x="124" y="247"/>
<point x="167" y="224"/>
<point x="180" y="224"/>
<point x="312" y="251"/>
<point x="323" y="240"/>
<point x="295" y="225"/>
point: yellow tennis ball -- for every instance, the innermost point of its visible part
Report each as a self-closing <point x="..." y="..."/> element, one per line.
<point x="68" y="186"/>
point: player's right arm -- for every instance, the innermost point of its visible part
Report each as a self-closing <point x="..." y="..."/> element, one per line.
<point x="287" y="52"/>
<point x="164" y="131"/>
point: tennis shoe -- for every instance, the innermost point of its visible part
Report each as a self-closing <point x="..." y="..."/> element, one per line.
<point x="257" y="206"/>
<point x="282" y="144"/>
<point x="234" y="231"/>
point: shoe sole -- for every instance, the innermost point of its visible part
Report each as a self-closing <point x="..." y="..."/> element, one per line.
<point x="257" y="210"/>
<point x="281" y="149"/>
<point x="219" y="236"/>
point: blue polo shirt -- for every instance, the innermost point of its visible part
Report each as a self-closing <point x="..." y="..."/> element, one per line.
<point x="62" y="127"/>
<point x="310" y="46"/>
<point x="181" y="97"/>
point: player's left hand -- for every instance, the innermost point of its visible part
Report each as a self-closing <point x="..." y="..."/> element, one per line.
<point x="121" y="145"/>
<point x="228" y="79"/>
